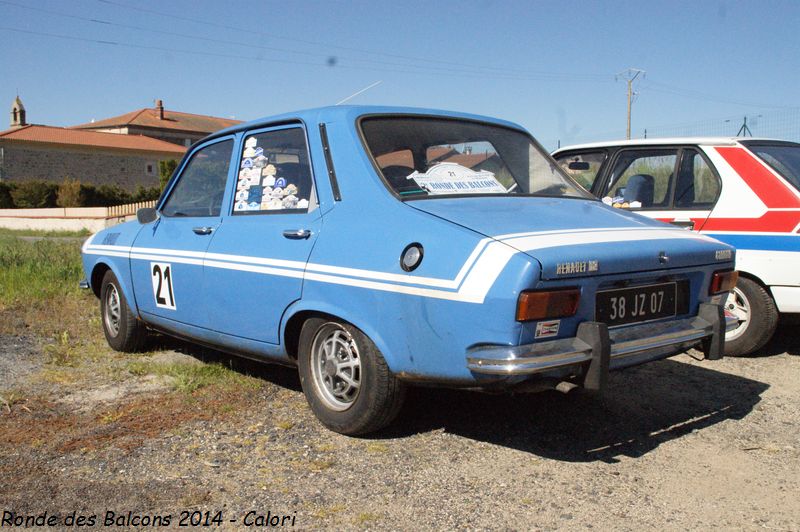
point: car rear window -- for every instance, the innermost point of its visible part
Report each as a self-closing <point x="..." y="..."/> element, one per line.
<point x="784" y="158"/>
<point x="421" y="157"/>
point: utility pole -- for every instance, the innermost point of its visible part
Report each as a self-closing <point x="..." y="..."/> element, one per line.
<point x="630" y="75"/>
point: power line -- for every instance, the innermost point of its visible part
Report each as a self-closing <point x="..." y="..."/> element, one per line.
<point x="407" y="70"/>
<point x="538" y="75"/>
<point x="664" y="88"/>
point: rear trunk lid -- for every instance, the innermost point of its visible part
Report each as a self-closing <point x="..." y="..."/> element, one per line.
<point x="575" y="238"/>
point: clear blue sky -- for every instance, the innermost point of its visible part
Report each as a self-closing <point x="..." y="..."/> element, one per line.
<point x="548" y="66"/>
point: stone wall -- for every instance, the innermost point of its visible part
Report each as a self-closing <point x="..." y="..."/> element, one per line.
<point x="91" y="166"/>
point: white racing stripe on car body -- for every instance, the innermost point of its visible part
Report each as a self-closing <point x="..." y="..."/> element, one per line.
<point x="471" y="284"/>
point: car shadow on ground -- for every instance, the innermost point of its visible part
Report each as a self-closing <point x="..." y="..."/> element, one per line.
<point x="643" y="408"/>
<point x="283" y="376"/>
<point x="785" y="340"/>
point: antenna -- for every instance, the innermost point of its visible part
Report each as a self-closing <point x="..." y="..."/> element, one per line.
<point x="365" y="89"/>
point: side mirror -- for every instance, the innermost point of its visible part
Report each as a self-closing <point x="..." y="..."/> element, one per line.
<point x="578" y="165"/>
<point x="146" y="215"/>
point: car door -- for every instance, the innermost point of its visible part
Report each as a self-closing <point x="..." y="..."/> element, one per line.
<point x="255" y="263"/>
<point x="167" y="256"/>
<point x="674" y="184"/>
<point x="696" y="191"/>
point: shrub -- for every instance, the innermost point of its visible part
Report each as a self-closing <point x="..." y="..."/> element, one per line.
<point x="6" y="201"/>
<point x="108" y="195"/>
<point x="69" y="193"/>
<point x="34" y="194"/>
<point x="146" y="194"/>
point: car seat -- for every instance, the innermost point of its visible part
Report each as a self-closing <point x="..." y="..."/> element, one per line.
<point x="640" y="188"/>
<point x="397" y="176"/>
<point x="684" y="189"/>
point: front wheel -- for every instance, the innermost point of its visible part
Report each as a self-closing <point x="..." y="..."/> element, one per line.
<point x="345" y="378"/>
<point x="123" y="330"/>
<point x="755" y="309"/>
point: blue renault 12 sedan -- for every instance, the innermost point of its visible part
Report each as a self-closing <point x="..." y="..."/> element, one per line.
<point x="377" y="247"/>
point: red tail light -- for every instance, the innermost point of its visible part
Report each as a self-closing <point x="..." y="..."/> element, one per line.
<point x="540" y="305"/>
<point x="723" y="282"/>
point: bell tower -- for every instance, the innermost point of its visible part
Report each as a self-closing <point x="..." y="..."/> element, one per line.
<point x="18" y="113"/>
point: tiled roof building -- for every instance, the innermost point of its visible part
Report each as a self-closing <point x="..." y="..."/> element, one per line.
<point x="160" y="123"/>
<point x="36" y="152"/>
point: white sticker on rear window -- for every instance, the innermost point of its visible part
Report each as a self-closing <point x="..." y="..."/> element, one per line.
<point x="452" y="178"/>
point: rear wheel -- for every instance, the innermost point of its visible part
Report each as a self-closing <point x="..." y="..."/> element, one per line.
<point x="755" y="309"/>
<point x="345" y="378"/>
<point x="124" y="332"/>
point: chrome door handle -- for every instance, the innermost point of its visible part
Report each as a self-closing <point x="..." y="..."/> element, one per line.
<point x="297" y="234"/>
<point x="202" y="230"/>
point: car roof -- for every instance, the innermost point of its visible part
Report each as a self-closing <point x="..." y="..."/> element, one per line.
<point x="349" y="113"/>
<point x="702" y="141"/>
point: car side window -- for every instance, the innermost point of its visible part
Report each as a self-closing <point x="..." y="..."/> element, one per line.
<point x="582" y="167"/>
<point x="201" y="185"/>
<point x="274" y="174"/>
<point x="696" y="187"/>
<point x="641" y="178"/>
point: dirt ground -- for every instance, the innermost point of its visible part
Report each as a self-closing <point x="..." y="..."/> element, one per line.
<point x="677" y="444"/>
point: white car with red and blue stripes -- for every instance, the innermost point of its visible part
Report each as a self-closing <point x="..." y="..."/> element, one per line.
<point x="742" y="191"/>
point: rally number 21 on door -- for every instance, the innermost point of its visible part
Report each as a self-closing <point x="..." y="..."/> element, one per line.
<point x="162" y="284"/>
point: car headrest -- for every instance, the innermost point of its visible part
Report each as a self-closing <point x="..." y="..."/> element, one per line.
<point x="640" y="187"/>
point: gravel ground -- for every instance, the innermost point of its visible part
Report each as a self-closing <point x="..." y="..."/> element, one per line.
<point x="677" y="444"/>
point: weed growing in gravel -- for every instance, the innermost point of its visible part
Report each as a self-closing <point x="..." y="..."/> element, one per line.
<point x="190" y="377"/>
<point x="374" y="447"/>
<point x="9" y="399"/>
<point x="366" y="517"/>
<point x="328" y="511"/>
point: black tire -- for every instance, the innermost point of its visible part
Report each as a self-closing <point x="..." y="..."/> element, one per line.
<point x="355" y="410"/>
<point x="124" y="332"/>
<point x="752" y="299"/>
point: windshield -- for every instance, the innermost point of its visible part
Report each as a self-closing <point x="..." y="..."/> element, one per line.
<point x="431" y="157"/>
<point x="784" y="158"/>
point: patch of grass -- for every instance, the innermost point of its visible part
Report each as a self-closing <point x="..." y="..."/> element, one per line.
<point x="320" y="465"/>
<point x="38" y="271"/>
<point x="190" y="377"/>
<point x="328" y="511"/>
<point x="284" y="424"/>
<point x="111" y="417"/>
<point x="48" y="234"/>
<point x="62" y="376"/>
<point x="366" y="517"/>
<point x="375" y="447"/>
<point x="11" y="398"/>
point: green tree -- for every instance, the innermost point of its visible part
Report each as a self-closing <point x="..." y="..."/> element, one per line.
<point x="165" y="170"/>
<point x="34" y="194"/>
<point x="6" y="201"/>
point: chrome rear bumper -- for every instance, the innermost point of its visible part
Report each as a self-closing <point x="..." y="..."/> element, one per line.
<point x="662" y="339"/>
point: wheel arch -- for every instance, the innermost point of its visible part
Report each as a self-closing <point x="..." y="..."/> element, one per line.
<point x="99" y="270"/>
<point x="299" y="313"/>
<point x="756" y="279"/>
<point x="96" y="278"/>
